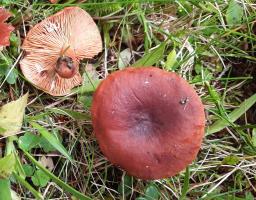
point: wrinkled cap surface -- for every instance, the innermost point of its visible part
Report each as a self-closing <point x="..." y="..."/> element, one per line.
<point x="5" y="29"/>
<point x="71" y="32"/>
<point x="148" y="121"/>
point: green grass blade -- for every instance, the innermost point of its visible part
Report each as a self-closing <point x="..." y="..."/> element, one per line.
<point x="70" y="113"/>
<point x="52" y="140"/>
<point x="233" y="116"/>
<point x="54" y="178"/>
<point x="5" y="189"/>
<point x="152" y="57"/>
<point x="185" y="185"/>
<point x="22" y="181"/>
<point x="171" y="59"/>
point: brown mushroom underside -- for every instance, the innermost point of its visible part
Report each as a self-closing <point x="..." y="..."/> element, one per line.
<point x="70" y="33"/>
<point x="148" y="121"/>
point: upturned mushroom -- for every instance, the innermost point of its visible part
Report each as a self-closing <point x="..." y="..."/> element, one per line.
<point x="148" y="122"/>
<point x="54" y="47"/>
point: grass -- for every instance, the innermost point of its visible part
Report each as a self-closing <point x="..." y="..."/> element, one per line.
<point x="210" y="43"/>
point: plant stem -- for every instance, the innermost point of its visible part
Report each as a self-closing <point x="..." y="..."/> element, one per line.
<point x="28" y="186"/>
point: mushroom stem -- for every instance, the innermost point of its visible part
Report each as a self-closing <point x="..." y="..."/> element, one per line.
<point x="65" y="67"/>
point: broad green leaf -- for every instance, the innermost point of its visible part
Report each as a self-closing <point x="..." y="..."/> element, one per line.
<point x="11" y="116"/>
<point x="5" y="68"/>
<point x="11" y="76"/>
<point x="87" y="87"/>
<point x="28" y="169"/>
<point x="40" y="178"/>
<point x="152" y="57"/>
<point x="152" y="192"/>
<point x="171" y="59"/>
<point x="15" y="43"/>
<point x="233" y="116"/>
<point x="52" y="140"/>
<point x="125" y="187"/>
<point x="70" y="113"/>
<point x="5" y="189"/>
<point x="85" y="100"/>
<point x="5" y="63"/>
<point x="90" y="81"/>
<point x="234" y="14"/>
<point x="230" y="160"/>
<point x="28" y="141"/>
<point x="7" y="165"/>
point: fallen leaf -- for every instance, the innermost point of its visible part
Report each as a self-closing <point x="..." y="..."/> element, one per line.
<point x="11" y="116"/>
<point x="90" y="69"/>
<point x="5" y="28"/>
<point x="47" y="162"/>
<point x="14" y="195"/>
<point x="124" y="58"/>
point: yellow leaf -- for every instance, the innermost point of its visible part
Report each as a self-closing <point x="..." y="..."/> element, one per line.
<point x="11" y="116"/>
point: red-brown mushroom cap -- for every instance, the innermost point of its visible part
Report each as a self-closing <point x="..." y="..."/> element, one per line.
<point x="71" y="35"/>
<point x="5" y="29"/>
<point x="148" y="121"/>
<point x="53" y="1"/>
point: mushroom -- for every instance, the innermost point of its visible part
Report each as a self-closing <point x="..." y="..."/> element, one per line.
<point x="54" y="48"/>
<point x="148" y="122"/>
<point x="53" y="1"/>
<point x="5" y="28"/>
